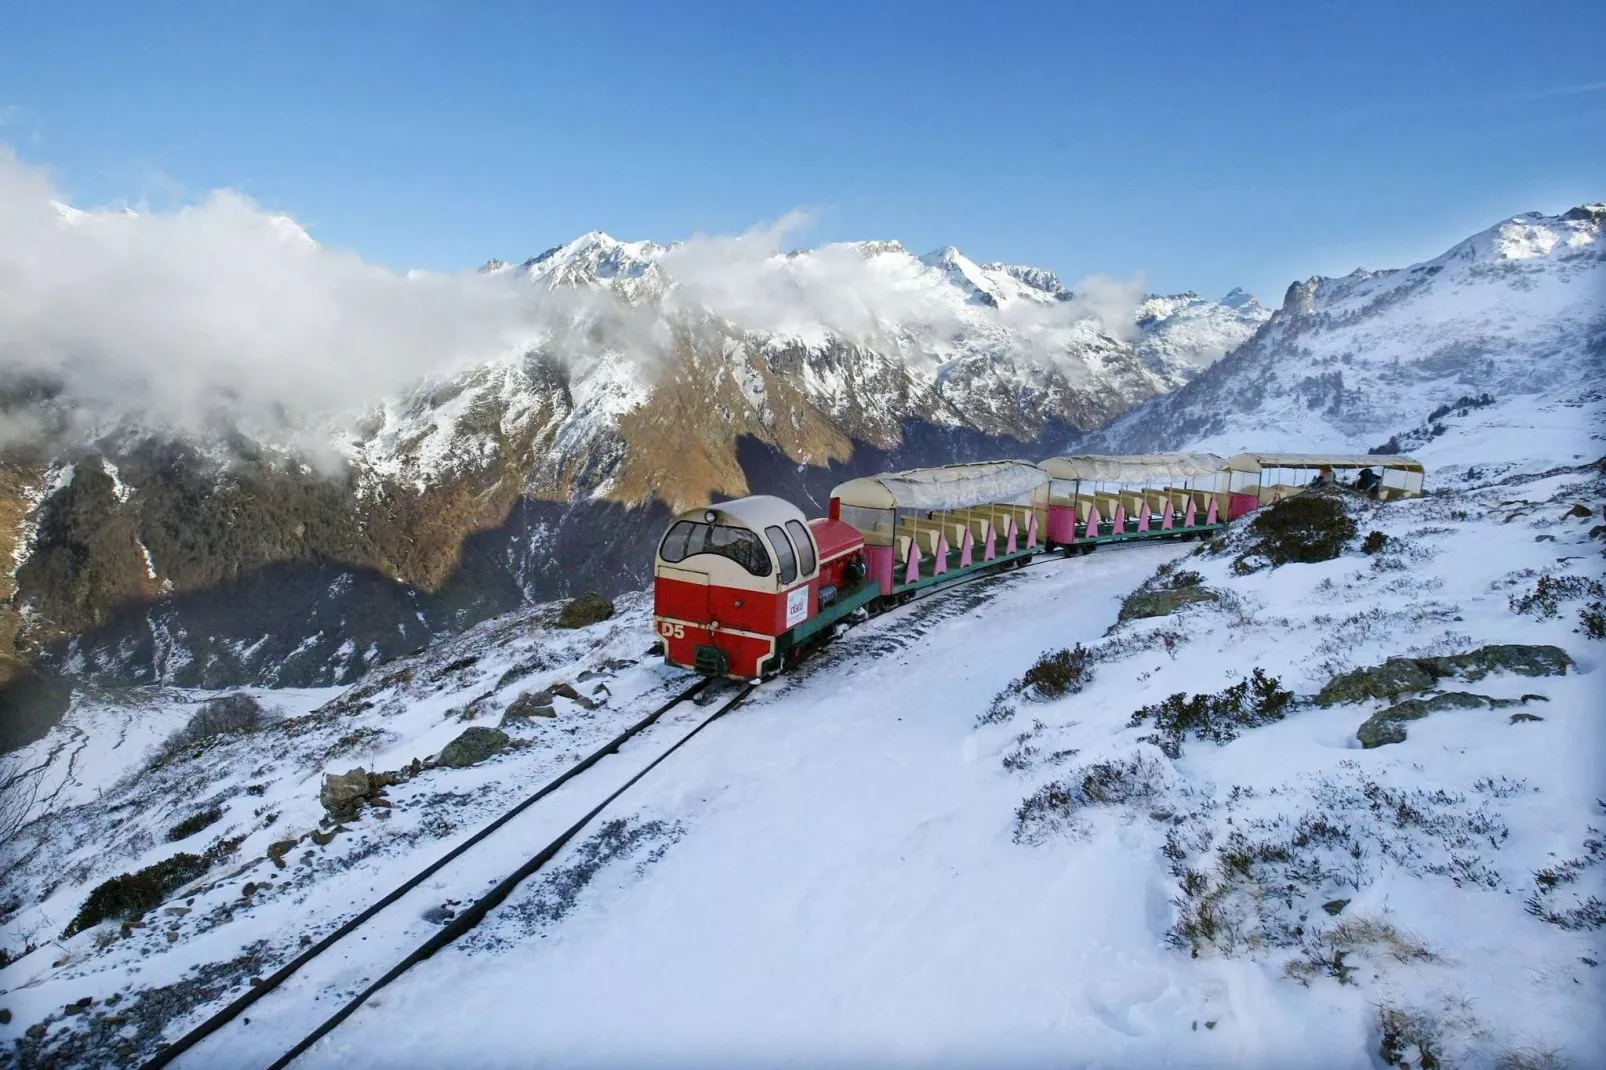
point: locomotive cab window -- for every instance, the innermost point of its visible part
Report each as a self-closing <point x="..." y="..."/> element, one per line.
<point x="804" y="544"/>
<point x="783" y="553"/>
<point x="688" y="538"/>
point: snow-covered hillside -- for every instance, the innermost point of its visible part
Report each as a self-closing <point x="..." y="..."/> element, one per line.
<point x="1519" y="309"/>
<point x="535" y="460"/>
<point x="903" y="853"/>
<point x="1182" y="335"/>
<point x="856" y="339"/>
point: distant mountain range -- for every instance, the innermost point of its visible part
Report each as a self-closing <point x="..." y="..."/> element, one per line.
<point x="1518" y="309"/>
<point x="679" y="379"/>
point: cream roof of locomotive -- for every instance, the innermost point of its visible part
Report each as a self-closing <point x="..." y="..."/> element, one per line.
<point x="757" y="512"/>
<point x="1254" y="462"/>
<point x="1134" y="468"/>
<point x="953" y="486"/>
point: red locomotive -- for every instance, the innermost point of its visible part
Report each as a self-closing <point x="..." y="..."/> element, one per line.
<point x="747" y="586"/>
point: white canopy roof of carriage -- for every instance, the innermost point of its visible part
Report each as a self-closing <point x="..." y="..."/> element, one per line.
<point x="1145" y="468"/>
<point x="755" y="512"/>
<point x="953" y="486"/>
<point x="1254" y="462"/>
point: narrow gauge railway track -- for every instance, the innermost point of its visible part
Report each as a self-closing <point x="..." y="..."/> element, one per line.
<point x="476" y="912"/>
<point x="970" y="594"/>
<point x="456" y="927"/>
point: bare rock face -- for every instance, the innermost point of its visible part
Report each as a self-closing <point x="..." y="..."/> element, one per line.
<point x="342" y="793"/>
<point x="1397" y="676"/>
<point x="472" y="747"/>
<point x="589" y="608"/>
<point x="1388" y="725"/>
<point x="530" y="704"/>
<point x="1402" y="676"/>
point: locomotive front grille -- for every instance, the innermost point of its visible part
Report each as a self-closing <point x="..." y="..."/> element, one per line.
<point x="711" y="661"/>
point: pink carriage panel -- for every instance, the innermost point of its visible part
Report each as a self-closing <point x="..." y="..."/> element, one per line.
<point x="1168" y="516"/>
<point x="989" y="548"/>
<point x="911" y="567"/>
<point x="1031" y="529"/>
<point x="967" y="550"/>
<point x="881" y="563"/>
<point x="940" y="565"/>
<point x="1192" y="513"/>
<point x="1061" y="524"/>
<point x="1093" y="522"/>
<point x="1009" y="543"/>
<point x="1240" y="504"/>
<point x="1120" y="519"/>
<point x="1143" y="517"/>
<point x="1210" y="516"/>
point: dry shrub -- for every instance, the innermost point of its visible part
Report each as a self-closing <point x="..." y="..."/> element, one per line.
<point x="1308" y="527"/>
<point x="1053" y="807"/>
<point x="226" y="715"/>
<point x="1259" y="700"/>
<point x="1059" y="673"/>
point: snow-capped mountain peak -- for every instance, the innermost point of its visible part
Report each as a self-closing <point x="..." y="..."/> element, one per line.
<point x="996" y="285"/>
<point x="1519" y="308"/>
<point x="598" y="260"/>
<point x="1237" y="298"/>
<point x="1183" y="334"/>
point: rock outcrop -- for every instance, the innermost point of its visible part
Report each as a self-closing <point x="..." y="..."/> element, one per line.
<point x="590" y="608"/>
<point x="343" y="793"/>
<point x="1388" y="725"/>
<point x="475" y="745"/>
<point x="1403" y="676"/>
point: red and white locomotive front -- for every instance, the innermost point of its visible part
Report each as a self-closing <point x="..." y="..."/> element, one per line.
<point x="732" y="580"/>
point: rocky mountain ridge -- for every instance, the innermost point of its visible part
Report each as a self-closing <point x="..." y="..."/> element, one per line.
<point x="1346" y="363"/>
<point x="672" y="379"/>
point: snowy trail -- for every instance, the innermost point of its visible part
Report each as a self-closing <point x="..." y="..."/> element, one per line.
<point x="879" y="908"/>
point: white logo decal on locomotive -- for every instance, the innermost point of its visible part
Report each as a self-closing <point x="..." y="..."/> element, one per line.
<point x="797" y="606"/>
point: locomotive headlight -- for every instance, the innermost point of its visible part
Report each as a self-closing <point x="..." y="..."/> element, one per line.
<point x="710" y="516"/>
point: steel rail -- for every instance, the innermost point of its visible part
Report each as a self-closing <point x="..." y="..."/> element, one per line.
<point x="223" y="1016"/>
<point x="476" y="912"/>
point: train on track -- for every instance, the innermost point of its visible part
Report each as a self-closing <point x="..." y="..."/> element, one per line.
<point x="743" y="589"/>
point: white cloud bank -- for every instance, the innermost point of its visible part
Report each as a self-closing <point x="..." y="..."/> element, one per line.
<point x="222" y="311"/>
<point x="223" y="314"/>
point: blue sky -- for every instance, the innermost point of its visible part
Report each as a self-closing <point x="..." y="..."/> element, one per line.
<point x="1207" y="145"/>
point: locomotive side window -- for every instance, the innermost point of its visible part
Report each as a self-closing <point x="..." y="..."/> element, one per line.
<point x="804" y="544"/>
<point x="783" y="553"/>
<point x="674" y="544"/>
<point x="689" y="538"/>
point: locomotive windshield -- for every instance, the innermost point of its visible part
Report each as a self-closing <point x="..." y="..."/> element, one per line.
<point x="688" y="538"/>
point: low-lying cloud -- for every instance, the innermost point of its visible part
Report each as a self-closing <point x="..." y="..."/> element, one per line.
<point x="222" y="311"/>
<point x="749" y="281"/>
<point x="223" y="314"/>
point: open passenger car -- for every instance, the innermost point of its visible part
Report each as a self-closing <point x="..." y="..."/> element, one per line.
<point x="1096" y="499"/>
<point x="928" y="526"/>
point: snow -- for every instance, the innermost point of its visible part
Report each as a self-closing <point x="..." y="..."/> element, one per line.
<point x="844" y="869"/>
<point x="937" y="338"/>
<point x="56" y="477"/>
<point x="836" y="872"/>
<point x="1515" y="310"/>
<point x="1184" y="334"/>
